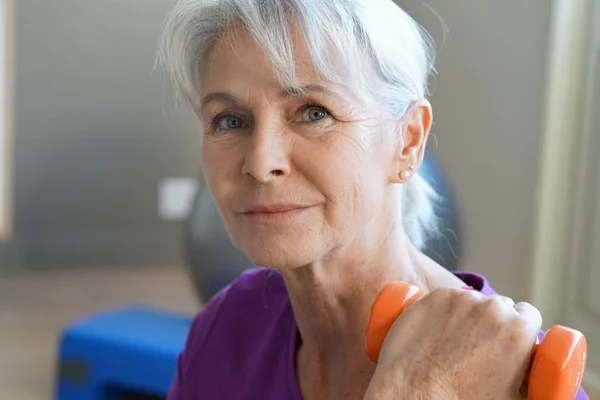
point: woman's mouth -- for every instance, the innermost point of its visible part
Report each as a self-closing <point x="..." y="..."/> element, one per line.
<point x="274" y="212"/>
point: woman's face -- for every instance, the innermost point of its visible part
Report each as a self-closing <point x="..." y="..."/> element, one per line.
<point x="294" y="176"/>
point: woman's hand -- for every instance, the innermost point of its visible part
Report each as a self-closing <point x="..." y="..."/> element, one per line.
<point x="457" y="344"/>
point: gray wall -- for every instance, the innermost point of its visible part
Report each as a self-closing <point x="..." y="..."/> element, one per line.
<point x="95" y="133"/>
<point x="487" y="106"/>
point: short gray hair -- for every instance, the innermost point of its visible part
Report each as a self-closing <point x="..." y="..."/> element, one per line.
<point x="373" y="44"/>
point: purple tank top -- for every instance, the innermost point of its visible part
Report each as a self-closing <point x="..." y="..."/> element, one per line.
<point x="242" y="344"/>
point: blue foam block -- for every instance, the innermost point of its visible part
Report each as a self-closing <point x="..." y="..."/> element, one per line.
<point x="122" y="354"/>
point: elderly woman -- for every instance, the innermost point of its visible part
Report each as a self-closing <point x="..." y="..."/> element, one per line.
<point x="314" y="124"/>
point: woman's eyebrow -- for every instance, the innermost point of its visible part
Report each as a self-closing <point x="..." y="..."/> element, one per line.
<point x="222" y="97"/>
<point x="303" y="90"/>
<point x="230" y="98"/>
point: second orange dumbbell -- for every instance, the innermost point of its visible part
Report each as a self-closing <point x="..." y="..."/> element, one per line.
<point x="557" y="365"/>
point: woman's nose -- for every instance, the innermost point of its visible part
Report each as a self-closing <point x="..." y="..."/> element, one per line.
<point x="266" y="158"/>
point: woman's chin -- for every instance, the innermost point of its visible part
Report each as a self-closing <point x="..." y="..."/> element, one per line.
<point x="280" y="248"/>
<point x="280" y="257"/>
<point x="278" y="261"/>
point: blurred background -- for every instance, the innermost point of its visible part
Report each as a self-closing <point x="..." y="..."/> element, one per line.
<point x="100" y="167"/>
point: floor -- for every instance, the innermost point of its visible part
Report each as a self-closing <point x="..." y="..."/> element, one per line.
<point x="34" y="308"/>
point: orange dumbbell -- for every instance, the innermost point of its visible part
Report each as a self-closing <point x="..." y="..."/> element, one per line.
<point x="557" y="364"/>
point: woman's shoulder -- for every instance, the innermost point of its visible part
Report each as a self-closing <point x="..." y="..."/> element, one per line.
<point x="247" y="304"/>
<point x="239" y="335"/>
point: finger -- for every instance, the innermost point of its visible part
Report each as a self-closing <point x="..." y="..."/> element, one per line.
<point x="530" y="315"/>
<point x="504" y="305"/>
<point x="531" y="320"/>
<point x="506" y="301"/>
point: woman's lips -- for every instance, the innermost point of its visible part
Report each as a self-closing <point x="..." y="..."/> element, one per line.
<point x="274" y="212"/>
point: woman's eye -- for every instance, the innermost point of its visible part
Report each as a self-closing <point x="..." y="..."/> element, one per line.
<point x="229" y="122"/>
<point x="313" y="114"/>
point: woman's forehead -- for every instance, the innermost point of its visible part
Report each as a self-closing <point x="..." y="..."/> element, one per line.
<point x="237" y="56"/>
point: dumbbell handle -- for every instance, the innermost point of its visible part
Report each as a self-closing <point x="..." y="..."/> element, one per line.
<point x="557" y="366"/>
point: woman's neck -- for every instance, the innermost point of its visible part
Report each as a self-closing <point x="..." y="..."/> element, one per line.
<point x="331" y="300"/>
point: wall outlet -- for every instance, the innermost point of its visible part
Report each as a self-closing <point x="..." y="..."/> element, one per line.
<point x="176" y="198"/>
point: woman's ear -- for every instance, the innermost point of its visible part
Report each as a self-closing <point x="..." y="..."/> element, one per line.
<point x="412" y="133"/>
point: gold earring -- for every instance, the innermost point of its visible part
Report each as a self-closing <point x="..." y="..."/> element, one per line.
<point x="405" y="175"/>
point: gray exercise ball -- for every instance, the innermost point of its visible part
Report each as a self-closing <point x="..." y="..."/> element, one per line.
<point x="214" y="261"/>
